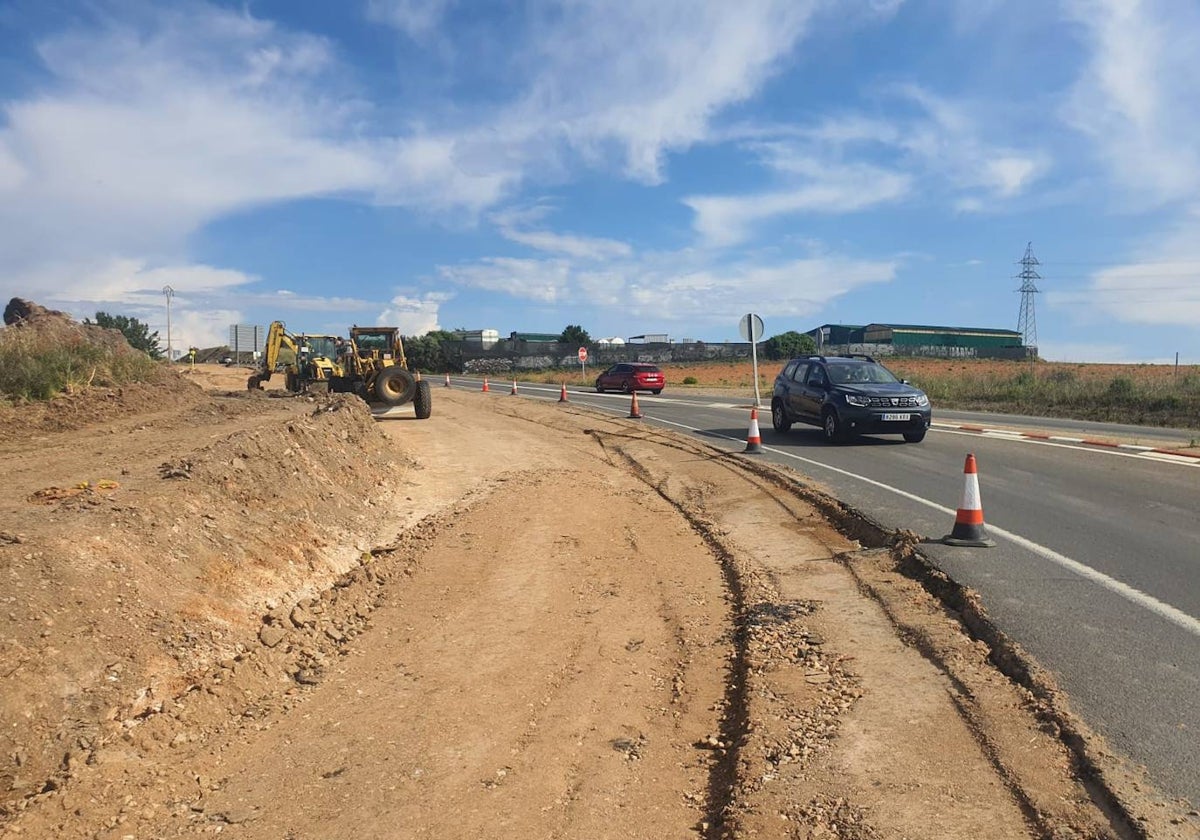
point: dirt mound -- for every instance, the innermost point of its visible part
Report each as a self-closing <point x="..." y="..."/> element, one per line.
<point x="93" y="373"/>
<point x="168" y="391"/>
<point x="141" y="554"/>
<point x="44" y="327"/>
<point x="21" y="311"/>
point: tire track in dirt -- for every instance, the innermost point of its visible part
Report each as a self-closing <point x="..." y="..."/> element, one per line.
<point x="709" y="665"/>
<point x="1042" y="822"/>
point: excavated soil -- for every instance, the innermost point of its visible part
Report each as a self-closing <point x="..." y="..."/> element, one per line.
<point x="264" y="616"/>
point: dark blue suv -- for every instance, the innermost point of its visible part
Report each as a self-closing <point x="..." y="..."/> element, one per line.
<point x="847" y="396"/>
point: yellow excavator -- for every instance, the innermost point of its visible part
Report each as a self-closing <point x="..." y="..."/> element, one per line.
<point x="371" y="365"/>
<point x="309" y="362"/>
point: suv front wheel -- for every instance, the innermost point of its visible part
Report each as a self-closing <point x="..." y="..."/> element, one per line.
<point x="831" y="425"/>
<point x="779" y="418"/>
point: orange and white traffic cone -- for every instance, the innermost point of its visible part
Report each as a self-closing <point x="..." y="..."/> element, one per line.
<point x="635" y="413"/>
<point x="513" y="392"/>
<point x="562" y="395"/>
<point x="447" y="380"/>
<point x="485" y="385"/>
<point x="753" y="439"/>
<point x="968" y="522"/>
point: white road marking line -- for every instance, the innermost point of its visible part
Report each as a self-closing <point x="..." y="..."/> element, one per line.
<point x="1166" y="458"/>
<point x="1148" y="602"/>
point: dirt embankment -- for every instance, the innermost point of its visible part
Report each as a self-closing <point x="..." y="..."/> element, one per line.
<point x="273" y="617"/>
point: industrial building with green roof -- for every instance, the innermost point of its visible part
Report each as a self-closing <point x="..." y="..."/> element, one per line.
<point x="921" y="340"/>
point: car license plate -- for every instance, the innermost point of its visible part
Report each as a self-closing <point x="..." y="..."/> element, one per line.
<point x="897" y="417"/>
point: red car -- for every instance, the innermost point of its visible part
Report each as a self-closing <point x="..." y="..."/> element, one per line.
<point x="630" y="377"/>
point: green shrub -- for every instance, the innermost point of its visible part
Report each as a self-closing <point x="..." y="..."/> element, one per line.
<point x="1120" y="386"/>
<point x="690" y="380"/>
<point x="40" y="363"/>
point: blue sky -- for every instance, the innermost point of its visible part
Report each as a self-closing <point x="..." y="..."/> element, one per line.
<point x="644" y="166"/>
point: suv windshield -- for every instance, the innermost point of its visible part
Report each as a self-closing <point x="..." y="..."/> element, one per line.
<point x="852" y="372"/>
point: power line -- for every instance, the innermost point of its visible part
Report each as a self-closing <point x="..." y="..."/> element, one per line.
<point x="1115" y="264"/>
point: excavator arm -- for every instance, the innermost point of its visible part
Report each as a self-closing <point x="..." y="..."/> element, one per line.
<point x="277" y="338"/>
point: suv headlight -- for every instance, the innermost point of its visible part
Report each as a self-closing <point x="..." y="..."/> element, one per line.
<point x="922" y="400"/>
<point x="855" y="399"/>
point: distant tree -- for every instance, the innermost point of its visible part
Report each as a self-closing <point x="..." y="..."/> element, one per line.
<point x="788" y="345"/>
<point x="575" y="334"/>
<point x="136" y="333"/>
<point x="432" y="351"/>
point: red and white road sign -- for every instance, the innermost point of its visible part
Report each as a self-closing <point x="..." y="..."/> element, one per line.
<point x="583" y="354"/>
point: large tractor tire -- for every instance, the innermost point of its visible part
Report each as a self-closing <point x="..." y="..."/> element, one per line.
<point x="423" y="400"/>
<point x="394" y="386"/>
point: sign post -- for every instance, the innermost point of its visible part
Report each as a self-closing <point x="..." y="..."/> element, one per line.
<point x="751" y="328"/>
<point x="583" y="361"/>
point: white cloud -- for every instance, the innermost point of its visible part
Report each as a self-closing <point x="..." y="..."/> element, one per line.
<point x="1008" y="176"/>
<point x="943" y="145"/>
<point x="415" y="18"/>
<point x="153" y="128"/>
<point x="582" y="247"/>
<point x="1160" y="288"/>
<point x="414" y="314"/>
<point x="1136" y="98"/>
<point x="794" y="288"/>
<point x="544" y="281"/>
<point x="199" y="328"/>
<point x="679" y="286"/>
<point x="949" y="143"/>
<point x="443" y="173"/>
<point x="12" y="171"/>
<point x="514" y="224"/>
<point x="647" y="76"/>
<point x="728" y="220"/>
<point x="203" y="302"/>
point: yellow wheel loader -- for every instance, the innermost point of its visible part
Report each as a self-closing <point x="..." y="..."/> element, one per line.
<point x="374" y="367"/>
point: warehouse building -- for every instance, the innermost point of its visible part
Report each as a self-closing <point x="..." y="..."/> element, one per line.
<point x="920" y="340"/>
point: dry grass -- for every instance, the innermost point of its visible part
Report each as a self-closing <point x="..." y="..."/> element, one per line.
<point x="1151" y="395"/>
<point x="40" y="360"/>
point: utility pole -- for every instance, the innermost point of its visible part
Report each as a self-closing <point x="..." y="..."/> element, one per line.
<point x="169" y="292"/>
<point x="1027" y="323"/>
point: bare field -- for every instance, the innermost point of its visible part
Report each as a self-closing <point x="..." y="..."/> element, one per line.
<point x="740" y="374"/>
<point x="268" y="616"/>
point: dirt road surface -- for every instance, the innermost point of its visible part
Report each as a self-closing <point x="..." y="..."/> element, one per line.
<point x="263" y="616"/>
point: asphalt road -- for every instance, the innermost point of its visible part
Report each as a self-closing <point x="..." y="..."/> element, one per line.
<point x="1096" y="571"/>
